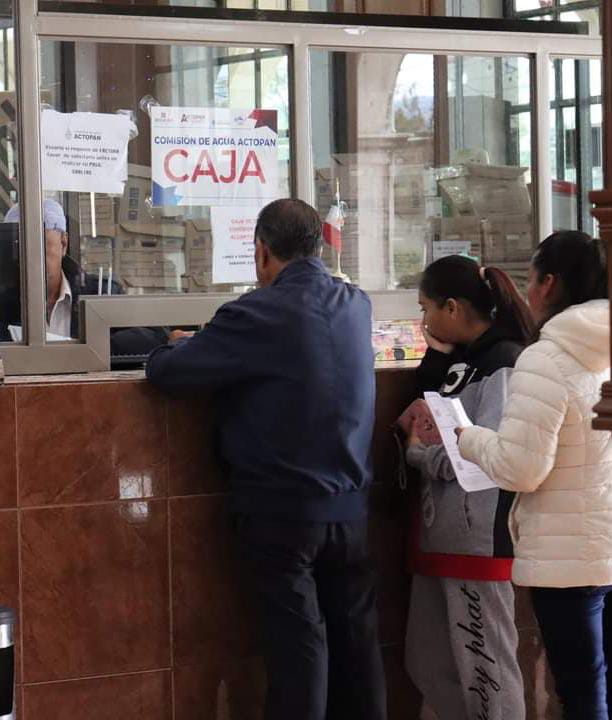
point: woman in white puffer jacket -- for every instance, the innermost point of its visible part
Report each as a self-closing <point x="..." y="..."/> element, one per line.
<point x="547" y="451"/>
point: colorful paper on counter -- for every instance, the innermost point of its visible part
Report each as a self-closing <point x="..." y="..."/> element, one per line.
<point x="213" y="156"/>
<point x="84" y="152"/>
<point x="398" y="340"/>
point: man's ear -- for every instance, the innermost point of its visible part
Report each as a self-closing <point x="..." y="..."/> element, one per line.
<point x="64" y="242"/>
<point x="262" y="254"/>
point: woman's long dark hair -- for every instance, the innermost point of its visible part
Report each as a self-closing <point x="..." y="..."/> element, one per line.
<point x="494" y="297"/>
<point x="578" y="262"/>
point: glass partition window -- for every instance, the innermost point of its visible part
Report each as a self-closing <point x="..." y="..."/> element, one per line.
<point x="564" y="10"/>
<point x="575" y="141"/>
<point x="428" y="155"/>
<point x="413" y="154"/>
<point x="155" y="161"/>
<point x="208" y="143"/>
<point x="10" y="286"/>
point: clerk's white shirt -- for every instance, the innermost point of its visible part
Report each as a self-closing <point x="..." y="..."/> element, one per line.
<point x="61" y="314"/>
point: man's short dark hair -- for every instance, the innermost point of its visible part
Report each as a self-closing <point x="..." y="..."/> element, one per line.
<point x="291" y="229"/>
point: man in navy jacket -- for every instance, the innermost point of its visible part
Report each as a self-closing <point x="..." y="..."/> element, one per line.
<point x="295" y="363"/>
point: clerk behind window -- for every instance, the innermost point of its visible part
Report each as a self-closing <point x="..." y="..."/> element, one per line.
<point x="295" y="363"/>
<point x="66" y="282"/>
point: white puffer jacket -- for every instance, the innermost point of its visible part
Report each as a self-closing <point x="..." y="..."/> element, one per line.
<point x="546" y="450"/>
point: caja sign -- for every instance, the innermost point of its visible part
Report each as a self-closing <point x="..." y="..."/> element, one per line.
<point x="204" y="156"/>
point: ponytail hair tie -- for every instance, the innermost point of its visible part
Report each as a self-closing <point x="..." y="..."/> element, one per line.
<point x="483" y="273"/>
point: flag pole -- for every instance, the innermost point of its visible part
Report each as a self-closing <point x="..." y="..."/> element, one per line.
<point x="332" y="231"/>
<point x="338" y="252"/>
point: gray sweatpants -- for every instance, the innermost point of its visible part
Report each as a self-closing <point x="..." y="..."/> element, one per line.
<point x="461" y="648"/>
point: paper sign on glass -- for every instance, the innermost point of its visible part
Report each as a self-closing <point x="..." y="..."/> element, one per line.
<point x="444" y="248"/>
<point x="233" y="232"/>
<point x="213" y="156"/>
<point x="449" y="413"/>
<point x="84" y="152"/>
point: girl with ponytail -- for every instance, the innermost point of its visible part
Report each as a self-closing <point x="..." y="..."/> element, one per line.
<point x="461" y="638"/>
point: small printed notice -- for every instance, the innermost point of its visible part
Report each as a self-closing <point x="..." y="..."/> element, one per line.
<point x="84" y="152"/>
<point x="444" y="248"/>
<point x="233" y="232"/>
<point x="449" y="413"/>
<point x="213" y="156"/>
<point x="433" y="207"/>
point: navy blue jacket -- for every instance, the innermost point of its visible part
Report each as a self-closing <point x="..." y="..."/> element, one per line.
<point x="295" y="363"/>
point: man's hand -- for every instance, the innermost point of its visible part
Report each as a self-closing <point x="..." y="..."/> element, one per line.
<point x="178" y="335"/>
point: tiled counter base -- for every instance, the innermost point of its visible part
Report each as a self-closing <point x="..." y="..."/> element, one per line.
<point x="118" y="554"/>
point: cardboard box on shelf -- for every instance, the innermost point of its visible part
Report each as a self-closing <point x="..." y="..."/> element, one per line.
<point x="507" y="239"/>
<point x="411" y="196"/>
<point x="150" y="257"/>
<point x="96" y="253"/>
<point x="463" y="230"/>
<point x="134" y="206"/>
<point x="484" y="190"/>
<point x="104" y="208"/>
<point x="198" y="255"/>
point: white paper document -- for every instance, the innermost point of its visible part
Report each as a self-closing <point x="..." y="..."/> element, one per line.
<point x="233" y="231"/>
<point x="17" y="335"/>
<point x="448" y="414"/>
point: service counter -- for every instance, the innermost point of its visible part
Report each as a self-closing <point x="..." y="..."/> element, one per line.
<point x="118" y="554"/>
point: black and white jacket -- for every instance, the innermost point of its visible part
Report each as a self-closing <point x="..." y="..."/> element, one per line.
<point x="465" y="534"/>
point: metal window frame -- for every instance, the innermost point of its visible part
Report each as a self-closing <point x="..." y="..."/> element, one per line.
<point x="556" y="10"/>
<point x="578" y="104"/>
<point x="314" y="17"/>
<point x="100" y="314"/>
<point x="581" y="106"/>
<point x="38" y="357"/>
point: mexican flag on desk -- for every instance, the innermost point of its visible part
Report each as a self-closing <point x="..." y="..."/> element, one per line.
<point x="332" y="227"/>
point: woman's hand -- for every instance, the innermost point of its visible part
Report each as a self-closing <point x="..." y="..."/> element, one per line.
<point x="435" y="344"/>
